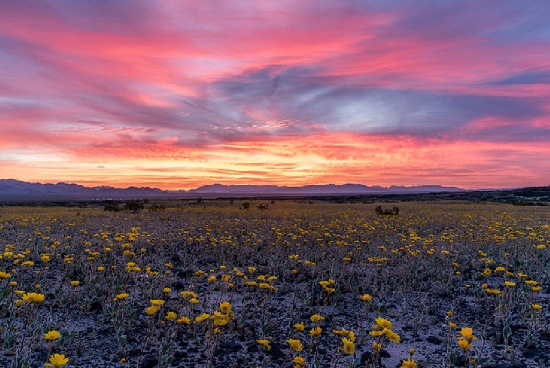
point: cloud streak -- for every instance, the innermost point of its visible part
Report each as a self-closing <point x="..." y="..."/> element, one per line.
<point x="180" y="94"/>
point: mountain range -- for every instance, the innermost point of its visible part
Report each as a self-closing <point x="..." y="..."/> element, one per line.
<point x="16" y="190"/>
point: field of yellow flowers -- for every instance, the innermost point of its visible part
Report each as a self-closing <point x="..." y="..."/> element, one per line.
<point x="280" y="284"/>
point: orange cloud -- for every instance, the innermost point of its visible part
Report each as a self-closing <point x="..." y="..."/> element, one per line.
<point x="324" y="158"/>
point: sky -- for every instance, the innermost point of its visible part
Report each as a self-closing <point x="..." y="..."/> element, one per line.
<point x="179" y="94"/>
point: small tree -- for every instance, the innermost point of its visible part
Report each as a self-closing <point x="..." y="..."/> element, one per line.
<point x="111" y="207"/>
<point x="134" y="206"/>
<point x="394" y="212"/>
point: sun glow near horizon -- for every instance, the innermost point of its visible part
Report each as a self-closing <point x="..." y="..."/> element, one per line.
<point x="321" y="159"/>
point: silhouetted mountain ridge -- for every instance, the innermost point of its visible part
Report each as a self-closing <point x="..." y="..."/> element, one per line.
<point x="12" y="187"/>
<point x="17" y="190"/>
<point x="318" y="189"/>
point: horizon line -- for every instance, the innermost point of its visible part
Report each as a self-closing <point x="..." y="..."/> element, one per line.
<point x="139" y="186"/>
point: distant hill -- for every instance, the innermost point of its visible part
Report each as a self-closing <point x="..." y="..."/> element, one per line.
<point x="328" y="189"/>
<point x="16" y="190"/>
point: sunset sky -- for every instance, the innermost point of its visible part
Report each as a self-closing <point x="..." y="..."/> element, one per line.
<point x="177" y="94"/>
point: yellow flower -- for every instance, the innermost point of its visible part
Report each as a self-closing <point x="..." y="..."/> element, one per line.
<point x="467" y="333"/>
<point x="384" y="323"/>
<point x="157" y="302"/>
<point x="220" y="319"/>
<point x="349" y="347"/>
<point x="409" y="363"/>
<point x="264" y="342"/>
<point x="317" y="318"/>
<point x="392" y="336"/>
<point x="376" y="347"/>
<point x="225" y="307"/>
<point x="366" y="297"/>
<point x="464" y="344"/>
<point x="166" y="290"/>
<point x="183" y="320"/>
<point x="295" y="345"/>
<point x="203" y="317"/>
<point x="452" y="325"/>
<point x="316" y="331"/>
<point x="4" y="275"/>
<point x="299" y="326"/>
<point x="52" y="335"/>
<point x="509" y="283"/>
<point x="493" y="291"/>
<point x="57" y="360"/>
<point x="75" y="283"/>
<point x="18" y="303"/>
<point x="152" y="310"/>
<point x="171" y="316"/>
<point x="194" y="301"/>
<point x="536" y="288"/>
<point x="121" y="296"/>
<point x="536" y="306"/>
<point x="342" y="332"/>
<point x="35" y="298"/>
<point x="351" y="336"/>
<point x="188" y="294"/>
<point x="299" y="361"/>
<point x="376" y="332"/>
